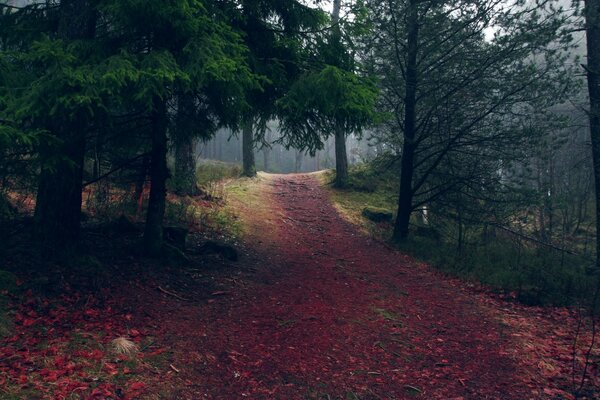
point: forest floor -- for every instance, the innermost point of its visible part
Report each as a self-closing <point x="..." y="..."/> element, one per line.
<point x="314" y="309"/>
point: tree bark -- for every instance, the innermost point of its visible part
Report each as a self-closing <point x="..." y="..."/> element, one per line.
<point x="298" y="161"/>
<point x="401" y="227"/>
<point x="153" y="238"/>
<point x="592" y="16"/>
<point x="341" y="155"/>
<point x="341" y="158"/>
<point x="185" y="162"/>
<point x="249" y="164"/>
<point x="58" y="201"/>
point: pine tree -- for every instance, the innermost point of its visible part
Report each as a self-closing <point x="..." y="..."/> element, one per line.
<point x="450" y="89"/>
<point x="331" y="99"/>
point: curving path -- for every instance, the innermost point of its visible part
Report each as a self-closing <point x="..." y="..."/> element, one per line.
<point x="332" y="314"/>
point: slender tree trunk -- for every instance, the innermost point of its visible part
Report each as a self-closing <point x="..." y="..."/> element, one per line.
<point x="278" y="157"/>
<point x="249" y="164"/>
<point x="219" y="148"/>
<point x="341" y="158"/>
<point x="541" y="188"/>
<point x="298" y="161"/>
<point x="461" y="233"/>
<point x="318" y="161"/>
<point x="140" y="183"/>
<point x="58" y="202"/>
<point x="96" y="166"/>
<point x="405" y="198"/>
<point x="341" y="155"/>
<point x="592" y="15"/>
<point x="266" y="159"/>
<point x="185" y="163"/>
<point x="267" y="152"/>
<point x="153" y="238"/>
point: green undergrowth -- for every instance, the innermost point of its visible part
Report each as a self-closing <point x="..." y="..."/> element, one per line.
<point x="532" y="274"/>
<point x="212" y="171"/>
<point x="367" y="188"/>
<point x="209" y="216"/>
<point x="243" y="196"/>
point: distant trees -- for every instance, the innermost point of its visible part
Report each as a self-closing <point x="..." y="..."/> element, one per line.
<point x="333" y="98"/>
<point x="324" y="102"/>
<point x="458" y="80"/>
<point x="273" y="32"/>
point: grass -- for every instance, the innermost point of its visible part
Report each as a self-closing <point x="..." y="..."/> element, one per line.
<point x="532" y="274"/>
<point x="366" y="189"/>
<point x="244" y="197"/>
<point x="209" y="212"/>
<point x="211" y="171"/>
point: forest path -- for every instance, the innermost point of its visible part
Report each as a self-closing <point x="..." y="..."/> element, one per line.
<point x="332" y="314"/>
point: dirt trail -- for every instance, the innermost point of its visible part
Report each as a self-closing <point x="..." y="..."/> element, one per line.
<point x="332" y="314"/>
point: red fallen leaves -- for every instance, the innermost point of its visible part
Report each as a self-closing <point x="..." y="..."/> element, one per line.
<point x="95" y="354"/>
<point x="311" y="329"/>
<point x="448" y="344"/>
<point x="156" y="352"/>
<point x="50" y="350"/>
<point x="137" y="387"/>
<point x="102" y="391"/>
<point x="25" y="321"/>
<point x="134" y="332"/>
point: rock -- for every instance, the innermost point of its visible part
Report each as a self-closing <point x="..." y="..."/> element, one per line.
<point x="222" y="249"/>
<point x="377" y="214"/>
<point x="175" y="236"/>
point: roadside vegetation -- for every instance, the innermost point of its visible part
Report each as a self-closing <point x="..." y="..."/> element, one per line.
<point x="72" y="331"/>
<point x="507" y="258"/>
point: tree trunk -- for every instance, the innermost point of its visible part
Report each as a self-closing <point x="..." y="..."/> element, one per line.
<point x="185" y="163"/>
<point x="267" y="152"/>
<point x="341" y="158"/>
<point x="249" y="165"/>
<point x="153" y="238"/>
<point x="460" y="240"/>
<point x="408" y="148"/>
<point x="266" y="159"/>
<point x="140" y="183"/>
<point x="298" y="161"/>
<point x="58" y="200"/>
<point x="58" y="203"/>
<point x="592" y="15"/>
<point x="318" y="161"/>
